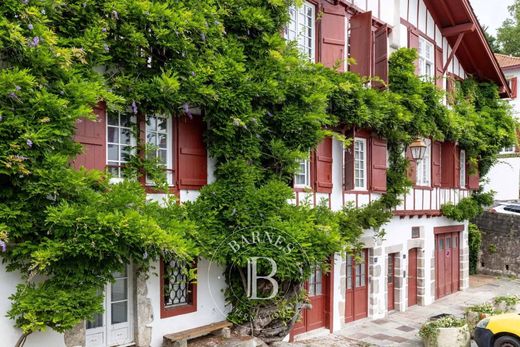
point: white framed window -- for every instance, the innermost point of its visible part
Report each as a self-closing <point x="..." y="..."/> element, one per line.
<point x="302" y="28"/>
<point x="424" y="166"/>
<point x="360" y="163"/>
<point x="508" y="150"/>
<point x="462" y="159"/>
<point x="302" y="178"/>
<point x="159" y="135"/>
<point x="426" y="59"/>
<point x="120" y="141"/>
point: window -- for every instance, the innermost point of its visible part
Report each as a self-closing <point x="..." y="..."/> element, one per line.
<point x="462" y="159"/>
<point x="426" y="59"/>
<point x="120" y="141"/>
<point x="508" y="150"/>
<point x="315" y="282"/>
<point x="302" y="28"/>
<point x="424" y="166"/>
<point x="302" y="179"/>
<point x="360" y="163"/>
<point x="179" y="291"/>
<point x="158" y="135"/>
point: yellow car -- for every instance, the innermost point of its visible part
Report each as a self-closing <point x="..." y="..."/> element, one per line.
<point x="499" y="331"/>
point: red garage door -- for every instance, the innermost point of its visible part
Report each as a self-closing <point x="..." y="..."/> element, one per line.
<point x="447" y="260"/>
<point x="357" y="288"/>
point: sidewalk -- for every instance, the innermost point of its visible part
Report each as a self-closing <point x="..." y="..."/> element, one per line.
<point x="401" y="328"/>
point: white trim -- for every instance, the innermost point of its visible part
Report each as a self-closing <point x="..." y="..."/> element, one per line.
<point x="364" y="168"/>
<point x="462" y="162"/>
<point x="426" y="59"/>
<point x="169" y="149"/>
<point x="119" y="161"/>
<point x="306" y="173"/>
<point x="508" y="150"/>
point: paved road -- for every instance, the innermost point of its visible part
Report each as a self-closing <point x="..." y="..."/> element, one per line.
<point x="401" y="328"/>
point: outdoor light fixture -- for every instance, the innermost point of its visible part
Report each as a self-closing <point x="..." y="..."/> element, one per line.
<point x="418" y="149"/>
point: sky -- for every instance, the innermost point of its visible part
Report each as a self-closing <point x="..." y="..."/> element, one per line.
<point x="491" y="13"/>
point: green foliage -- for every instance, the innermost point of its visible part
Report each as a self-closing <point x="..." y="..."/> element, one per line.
<point x="264" y="106"/>
<point x="507" y="34"/>
<point x="508" y="302"/>
<point x="486" y="308"/>
<point x="468" y="208"/>
<point x="475" y="240"/>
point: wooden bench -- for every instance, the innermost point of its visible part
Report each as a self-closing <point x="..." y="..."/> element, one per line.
<point x="181" y="338"/>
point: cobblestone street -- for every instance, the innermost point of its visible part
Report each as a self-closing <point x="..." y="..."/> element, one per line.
<point x="401" y="328"/>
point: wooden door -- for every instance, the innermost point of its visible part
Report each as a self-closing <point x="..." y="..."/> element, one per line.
<point x="447" y="272"/>
<point x="391" y="281"/>
<point x="317" y="288"/>
<point x="412" y="277"/>
<point x="357" y="288"/>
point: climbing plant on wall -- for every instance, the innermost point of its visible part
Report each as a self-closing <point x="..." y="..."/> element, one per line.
<point x="264" y="107"/>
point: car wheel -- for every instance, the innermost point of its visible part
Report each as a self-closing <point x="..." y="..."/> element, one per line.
<point x="507" y="341"/>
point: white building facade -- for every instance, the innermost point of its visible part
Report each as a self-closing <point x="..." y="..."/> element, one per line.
<point x="504" y="176"/>
<point x="423" y="255"/>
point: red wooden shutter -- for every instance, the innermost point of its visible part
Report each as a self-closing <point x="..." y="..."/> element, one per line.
<point x="450" y="175"/>
<point x="333" y="33"/>
<point x="361" y="43"/>
<point x="192" y="163"/>
<point x="411" y="172"/>
<point x="413" y="42"/>
<point x="92" y="135"/>
<point x="349" y="162"/>
<point x="378" y="174"/>
<point x="324" y="166"/>
<point x="514" y="87"/>
<point x="473" y="179"/>
<point x="436" y="164"/>
<point x="439" y="76"/>
<point x="381" y="54"/>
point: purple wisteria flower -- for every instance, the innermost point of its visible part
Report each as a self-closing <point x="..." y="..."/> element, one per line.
<point x="13" y="96"/>
<point x="193" y="73"/>
<point x="1" y="118"/>
<point x="3" y="246"/>
<point x="34" y="42"/>
<point x="203" y="37"/>
<point x="30" y="26"/>
<point x="17" y="87"/>
<point x="115" y="15"/>
<point x="134" y="107"/>
<point x="105" y="46"/>
<point x="104" y="30"/>
<point x="29" y="143"/>
<point x="186" y="109"/>
<point x="25" y="2"/>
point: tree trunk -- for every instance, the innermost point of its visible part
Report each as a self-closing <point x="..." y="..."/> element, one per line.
<point x="21" y="340"/>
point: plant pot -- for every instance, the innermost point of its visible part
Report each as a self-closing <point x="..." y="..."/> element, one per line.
<point x="502" y="306"/>
<point x="453" y="337"/>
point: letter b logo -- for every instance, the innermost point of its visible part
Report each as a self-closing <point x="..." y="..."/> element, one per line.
<point x="252" y="278"/>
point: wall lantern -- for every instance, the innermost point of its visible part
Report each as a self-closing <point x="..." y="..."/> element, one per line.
<point x="418" y="149"/>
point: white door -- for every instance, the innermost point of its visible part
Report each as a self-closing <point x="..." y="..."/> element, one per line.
<point x="114" y="327"/>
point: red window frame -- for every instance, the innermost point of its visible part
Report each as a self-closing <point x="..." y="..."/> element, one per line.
<point x="167" y="312"/>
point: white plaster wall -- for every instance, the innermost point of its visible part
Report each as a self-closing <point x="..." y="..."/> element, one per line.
<point x="504" y="179"/>
<point x="210" y="303"/>
<point x="9" y="334"/>
<point x="515" y="103"/>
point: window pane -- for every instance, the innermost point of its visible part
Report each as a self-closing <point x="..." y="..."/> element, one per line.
<point x="127" y="121"/>
<point x="151" y="139"/>
<point x="113" y="152"/>
<point x="113" y="135"/>
<point x="119" y="312"/>
<point x="119" y="290"/>
<point x="176" y="284"/>
<point x="113" y="119"/>
<point x="97" y="322"/>
<point x="126" y="136"/>
<point x="162" y="141"/>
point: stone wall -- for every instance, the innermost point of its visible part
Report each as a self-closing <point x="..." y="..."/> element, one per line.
<point x="500" y="249"/>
